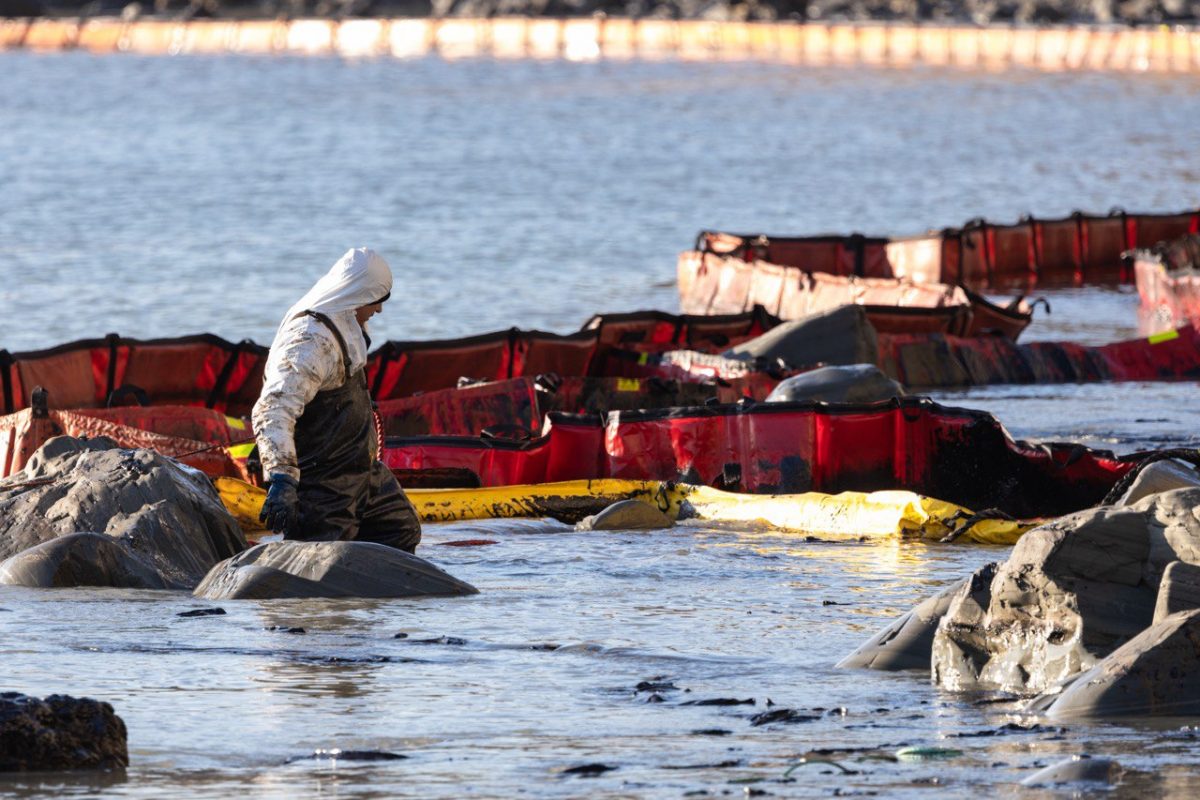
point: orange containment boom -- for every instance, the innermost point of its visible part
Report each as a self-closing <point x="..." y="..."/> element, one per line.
<point x="1082" y="249"/>
<point x="898" y="45"/>
<point x="963" y="456"/>
<point x="1168" y="283"/>
<point x="715" y="284"/>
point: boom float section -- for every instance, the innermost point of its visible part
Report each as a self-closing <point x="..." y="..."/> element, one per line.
<point x="881" y="45"/>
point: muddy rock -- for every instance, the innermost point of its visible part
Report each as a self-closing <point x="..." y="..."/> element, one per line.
<point x="1157" y="673"/>
<point x="1072" y="591"/>
<point x="1161" y="476"/>
<point x="842" y="335"/>
<point x="1178" y="591"/>
<point x="1077" y="769"/>
<point x="81" y="559"/>
<point x="59" y="733"/>
<point x="327" y="569"/>
<point x="906" y="643"/>
<point x="853" y="383"/>
<point x="166" y="520"/>
<point x="626" y="515"/>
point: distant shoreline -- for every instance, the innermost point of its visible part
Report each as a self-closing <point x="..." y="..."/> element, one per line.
<point x="886" y="45"/>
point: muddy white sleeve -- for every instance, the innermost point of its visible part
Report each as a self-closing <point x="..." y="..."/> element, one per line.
<point x="297" y="368"/>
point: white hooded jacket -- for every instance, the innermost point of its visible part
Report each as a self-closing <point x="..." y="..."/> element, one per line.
<point x="305" y="357"/>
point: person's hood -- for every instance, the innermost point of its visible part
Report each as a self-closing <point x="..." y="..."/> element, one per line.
<point x="359" y="278"/>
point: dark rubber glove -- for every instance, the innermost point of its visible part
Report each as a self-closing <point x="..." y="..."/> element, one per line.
<point x="281" y="510"/>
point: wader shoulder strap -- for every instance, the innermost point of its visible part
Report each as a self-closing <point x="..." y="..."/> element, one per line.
<point x="328" y="323"/>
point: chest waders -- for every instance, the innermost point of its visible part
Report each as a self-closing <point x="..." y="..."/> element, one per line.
<point x="345" y="492"/>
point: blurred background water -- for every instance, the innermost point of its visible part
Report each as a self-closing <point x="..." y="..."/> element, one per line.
<point x="159" y="197"/>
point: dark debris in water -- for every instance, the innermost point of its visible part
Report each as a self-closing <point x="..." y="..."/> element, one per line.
<point x="720" y="701"/>
<point x="202" y="612"/>
<point x="284" y="629"/>
<point x="588" y="770"/>
<point x="370" y="659"/>
<point x="782" y="715"/>
<point x="659" y="683"/>
<point x="337" y="754"/>
<point x="468" y="543"/>
<point x="1011" y="727"/>
<point x="712" y="732"/>
<point x="454" y="641"/>
<point x="717" y="765"/>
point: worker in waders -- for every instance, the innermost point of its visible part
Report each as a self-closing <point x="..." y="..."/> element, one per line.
<point x="315" y="423"/>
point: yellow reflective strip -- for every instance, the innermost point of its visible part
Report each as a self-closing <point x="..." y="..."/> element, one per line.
<point x="628" y="384"/>
<point x="241" y="450"/>
<point x="235" y="423"/>
<point x="643" y="358"/>
<point x="1165" y="336"/>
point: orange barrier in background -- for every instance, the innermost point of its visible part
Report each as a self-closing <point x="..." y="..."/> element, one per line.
<point x="1162" y="49"/>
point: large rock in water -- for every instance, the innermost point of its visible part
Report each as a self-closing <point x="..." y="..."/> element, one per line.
<point x="166" y="521"/>
<point x="841" y="335"/>
<point x="854" y="383"/>
<point x="327" y="569"/>
<point x="81" y="559"/>
<point x="906" y="643"/>
<point x="1071" y="592"/>
<point x="59" y="733"/>
<point x="1156" y="673"/>
<point x="1160" y="476"/>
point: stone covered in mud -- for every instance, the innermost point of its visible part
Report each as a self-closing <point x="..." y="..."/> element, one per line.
<point x="1077" y="769"/>
<point x="166" y="524"/>
<point x="81" y="559"/>
<point x="59" y="733"/>
<point x="1160" y="476"/>
<point x="1072" y="592"/>
<point x="626" y="515"/>
<point x="852" y="383"/>
<point x="907" y="643"/>
<point x="327" y="569"/>
<point x="1157" y="673"/>
<point x="840" y="336"/>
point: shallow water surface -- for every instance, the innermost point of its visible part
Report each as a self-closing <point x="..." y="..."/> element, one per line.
<point x="158" y="197"/>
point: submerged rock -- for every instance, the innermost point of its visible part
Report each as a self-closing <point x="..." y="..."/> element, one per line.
<point x="1077" y="769"/>
<point x="166" y="521"/>
<point x="1157" y="673"/>
<point x="1071" y="592"/>
<point x="853" y="383"/>
<point x="841" y="335"/>
<point x="626" y="515"/>
<point x="59" y="733"/>
<point x="906" y="643"/>
<point x="327" y="569"/>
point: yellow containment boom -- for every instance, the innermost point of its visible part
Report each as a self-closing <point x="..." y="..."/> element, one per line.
<point x="849" y="515"/>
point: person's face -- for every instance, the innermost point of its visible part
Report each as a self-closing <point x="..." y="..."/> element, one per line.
<point x="364" y="313"/>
